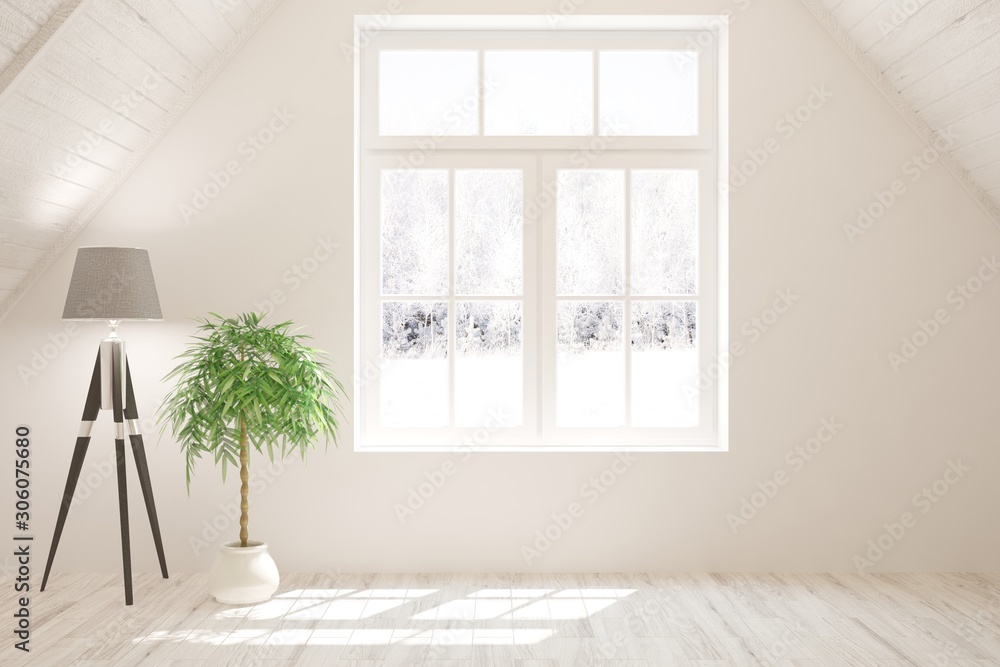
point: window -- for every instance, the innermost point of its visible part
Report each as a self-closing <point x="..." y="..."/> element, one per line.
<point x="540" y="235"/>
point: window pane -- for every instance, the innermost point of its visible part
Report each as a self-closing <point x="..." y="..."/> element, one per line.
<point x="488" y="232"/>
<point x="413" y="386"/>
<point x="590" y="229"/>
<point x="428" y="93"/>
<point x="664" y="364"/>
<point x="649" y="93"/>
<point x="548" y="93"/>
<point x="590" y="364"/>
<point x="488" y="364"/>
<point x="415" y="231"/>
<point x="664" y="232"/>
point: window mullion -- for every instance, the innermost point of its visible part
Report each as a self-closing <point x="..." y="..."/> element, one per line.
<point x="597" y="96"/>
<point x="481" y="92"/>
<point x="545" y="237"/>
<point x="452" y="311"/>
<point x="541" y="298"/>
<point x="627" y="306"/>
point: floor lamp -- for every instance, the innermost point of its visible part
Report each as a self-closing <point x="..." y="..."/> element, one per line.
<point x="112" y="284"/>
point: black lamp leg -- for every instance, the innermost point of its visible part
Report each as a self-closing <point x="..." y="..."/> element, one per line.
<point x="90" y="411"/>
<point x="139" y="452"/>
<point x="118" y="409"/>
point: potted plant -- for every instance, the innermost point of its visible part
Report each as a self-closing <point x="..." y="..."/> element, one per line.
<point x="244" y="385"/>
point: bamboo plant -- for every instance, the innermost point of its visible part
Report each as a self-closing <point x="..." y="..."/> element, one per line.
<point x="244" y="384"/>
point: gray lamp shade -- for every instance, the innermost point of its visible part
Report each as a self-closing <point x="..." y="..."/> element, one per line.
<point x="112" y="284"/>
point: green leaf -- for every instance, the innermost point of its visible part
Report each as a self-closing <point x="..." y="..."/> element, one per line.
<point x="237" y="367"/>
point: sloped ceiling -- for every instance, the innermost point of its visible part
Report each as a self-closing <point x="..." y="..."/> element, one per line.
<point x="87" y="87"/>
<point x="938" y="61"/>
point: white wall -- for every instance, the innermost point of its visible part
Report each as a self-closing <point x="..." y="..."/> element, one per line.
<point x="827" y="357"/>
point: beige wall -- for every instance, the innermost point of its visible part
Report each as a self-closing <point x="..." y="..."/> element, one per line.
<point x="826" y="358"/>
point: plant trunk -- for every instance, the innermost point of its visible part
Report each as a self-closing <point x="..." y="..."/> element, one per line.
<point x="245" y="479"/>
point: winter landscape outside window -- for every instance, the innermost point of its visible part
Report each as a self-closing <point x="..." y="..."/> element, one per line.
<point x="541" y="233"/>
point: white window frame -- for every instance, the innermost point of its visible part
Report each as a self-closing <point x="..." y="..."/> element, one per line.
<point x="538" y="158"/>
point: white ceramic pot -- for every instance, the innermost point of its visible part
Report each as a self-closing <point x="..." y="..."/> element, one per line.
<point x="243" y="575"/>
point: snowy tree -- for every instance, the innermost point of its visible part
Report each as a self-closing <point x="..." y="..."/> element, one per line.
<point x="414" y="330"/>
<point x="415" y="231"/>
<point x="489" y="230"/>
<point x="663" y="325"/>
<point x="590" y="231"/>
<point x="664" y="232"/>
<point x="488" y="328"/>
<point x="589" y="326"/>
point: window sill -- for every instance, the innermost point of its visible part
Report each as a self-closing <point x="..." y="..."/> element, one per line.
<point x="575" y="449"/>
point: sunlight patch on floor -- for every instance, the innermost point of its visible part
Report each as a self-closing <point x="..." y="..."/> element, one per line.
<point x="501" y="608"/>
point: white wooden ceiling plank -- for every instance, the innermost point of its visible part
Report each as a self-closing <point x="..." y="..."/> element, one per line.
<point x="43" y="37"/>
<point x="136" y="33"/>
<point x="988" y="177"/>
<point x="16" y="29"/>
<point x="975" y="127"/>
<point x="6" y="57"/>
<point x="94" y="41"/>
<point x="961" y="36"/>
<point x="15" y="172"/>
<point x="17" y="148"/>
<point x="28" y="235"/>
<point x="177" y="28"/>
<point x="65" y="62"/>
<point x="8" y="224"/>
<point x="25" y="208"/>
<point x="10" y="40"/>
<point x="46" y="209"/>
<point x="960" y="103"/>
<point x="9" y="278"/>
<point x="883" y="21"/>
<point x="62" y="97"/>
<point x="851" y="12"/>
<point x="954" y="74"/>
<point x="41" y="185"/>
<point x="51" y="189"/>
<point x="236" y="13"/>
<point x="918" y="28"/>
<point x="32" y="118"/>
<point x="37" y="10"/>
<point x="981" y="153"/>
<point x="13" y="256"/>
<point x="209" y="19"/>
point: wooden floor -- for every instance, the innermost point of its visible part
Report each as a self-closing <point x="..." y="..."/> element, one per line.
<point x="519" y="621"/>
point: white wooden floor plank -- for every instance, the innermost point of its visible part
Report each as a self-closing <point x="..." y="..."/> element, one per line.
<point x="703" y="620"/>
